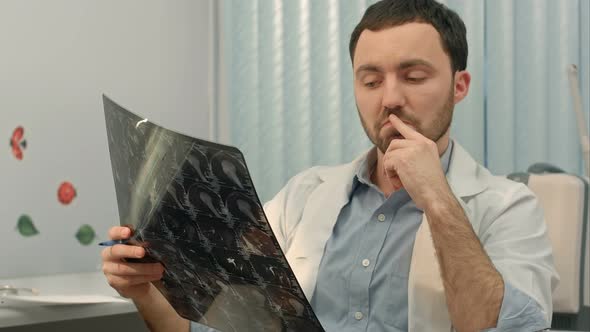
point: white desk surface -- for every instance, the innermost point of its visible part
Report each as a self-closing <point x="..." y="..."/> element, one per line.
<point x="93" y="283"/>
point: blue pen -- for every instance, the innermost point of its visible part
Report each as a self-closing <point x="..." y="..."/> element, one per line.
<point x="112" y="243"/>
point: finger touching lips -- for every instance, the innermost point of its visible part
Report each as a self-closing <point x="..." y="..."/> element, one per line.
<point x="407" y="130"/>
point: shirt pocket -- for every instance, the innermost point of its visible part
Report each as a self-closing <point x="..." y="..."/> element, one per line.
<point x="397" y="303"/>
<point x="331" y="299"/>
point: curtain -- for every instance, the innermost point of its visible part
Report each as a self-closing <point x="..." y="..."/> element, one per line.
<point x="288" y="97"/>
<point x="530" y="117"/>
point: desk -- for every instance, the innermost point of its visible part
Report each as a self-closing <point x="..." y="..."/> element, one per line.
<point x="63" y="284"/>
<point x="91" y="317"/>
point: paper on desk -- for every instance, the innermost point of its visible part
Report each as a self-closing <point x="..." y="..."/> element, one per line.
<point x="59" y="300"/>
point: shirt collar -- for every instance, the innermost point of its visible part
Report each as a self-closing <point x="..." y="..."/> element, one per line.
<point x="367" y="165"/>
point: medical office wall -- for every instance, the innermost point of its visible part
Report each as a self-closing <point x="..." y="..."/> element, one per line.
<point x="58" y="57"/>
<point x="287" y="81"/>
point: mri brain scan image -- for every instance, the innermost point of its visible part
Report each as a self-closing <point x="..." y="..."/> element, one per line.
<point x="194" y="208"/>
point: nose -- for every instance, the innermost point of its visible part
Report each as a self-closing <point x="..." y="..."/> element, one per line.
<point x="393" y="94"/>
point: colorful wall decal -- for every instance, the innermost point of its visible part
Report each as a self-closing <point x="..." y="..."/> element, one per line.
<point x="25" y="226"/>
<point x="18" y="143"/>
<point x="85" y="235"/>
<point x="66" y="193"/>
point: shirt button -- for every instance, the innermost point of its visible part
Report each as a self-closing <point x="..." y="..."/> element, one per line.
<point x="366" y="262"/>
<point x="358" y="315"/>
<point x="381" y="217"/>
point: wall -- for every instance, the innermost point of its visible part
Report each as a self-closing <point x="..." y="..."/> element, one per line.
<point x="57" y="58"/>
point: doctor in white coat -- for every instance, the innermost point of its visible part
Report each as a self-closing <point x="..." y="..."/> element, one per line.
<point x="482" y="242"/>
<point x="479" y="257"/>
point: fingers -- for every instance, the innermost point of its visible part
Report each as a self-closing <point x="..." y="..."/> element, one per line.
<point x="132" y="279"/>
<point x="121" y="251"/>
<point x="394" y="179"/>
<point x="132" y="269"/>
<point x="129" y="279"/>
<point x="396" y="182"/>
<point x="389" y="165"/>
<point x="121" y="282"/>
<point x="119" y="233"/>
<point x="397" y="143"/>
<point x="406" y="131"/>
<point x="412" y="145"/>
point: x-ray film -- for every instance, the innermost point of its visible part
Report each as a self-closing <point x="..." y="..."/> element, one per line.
<point x="192" y="205"/>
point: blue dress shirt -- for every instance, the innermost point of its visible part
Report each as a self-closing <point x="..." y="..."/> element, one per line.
<point x="363" y="277"/>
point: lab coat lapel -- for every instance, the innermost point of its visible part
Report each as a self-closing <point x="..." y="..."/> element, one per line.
<point x="427" y="308"/>
<point x="318" y="220"/>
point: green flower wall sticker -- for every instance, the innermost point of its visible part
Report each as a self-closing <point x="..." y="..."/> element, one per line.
<point x="85" y="235"/>
<point x="26" y="227"/>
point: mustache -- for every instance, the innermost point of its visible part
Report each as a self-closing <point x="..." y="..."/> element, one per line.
<point x="399" y="112"/>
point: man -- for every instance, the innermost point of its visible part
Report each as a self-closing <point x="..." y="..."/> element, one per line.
<point x="413" y="235"/>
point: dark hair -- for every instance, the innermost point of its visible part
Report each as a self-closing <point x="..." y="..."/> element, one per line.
<point x="390" y="13"/>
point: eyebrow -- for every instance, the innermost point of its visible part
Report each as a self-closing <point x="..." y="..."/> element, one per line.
<point x="414" y="63"/>
<point x="404" y="65"/>
<point x="369" y="68"/>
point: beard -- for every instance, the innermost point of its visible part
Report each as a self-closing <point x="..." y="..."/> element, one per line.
<point x="434" y="131"/>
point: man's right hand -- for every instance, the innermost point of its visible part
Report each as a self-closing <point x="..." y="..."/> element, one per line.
<point x="131" y="280"/>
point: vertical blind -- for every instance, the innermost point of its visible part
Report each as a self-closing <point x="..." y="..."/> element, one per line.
<point x="288" y="83"/>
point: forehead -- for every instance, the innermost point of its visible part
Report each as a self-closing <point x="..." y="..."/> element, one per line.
<point x="390" y="46"/>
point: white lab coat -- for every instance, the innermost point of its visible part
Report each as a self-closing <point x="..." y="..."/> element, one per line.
<point x="504" y="214"/>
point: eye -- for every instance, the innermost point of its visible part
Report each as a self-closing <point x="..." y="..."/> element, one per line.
<point x="416" y="79"/>
<point x="372" y="84"/>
